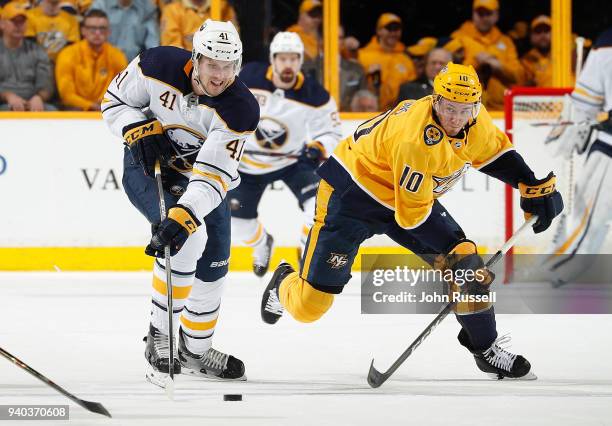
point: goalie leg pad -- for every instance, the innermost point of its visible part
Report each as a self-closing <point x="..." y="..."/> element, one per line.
<point x="304" y="302"/>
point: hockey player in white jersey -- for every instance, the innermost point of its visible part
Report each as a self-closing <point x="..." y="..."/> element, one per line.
<point x="299" y="126"/>
<point x="588" y="223"/>
<point x="190" y="111"/>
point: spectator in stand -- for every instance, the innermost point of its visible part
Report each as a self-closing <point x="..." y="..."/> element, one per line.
<point x="26" y="81"/>
<point x="352" y="77"/>
<point x="434" y="62"/>
<point x="133" y="24"/>
<point x="492" y="53"/>
<point x="364" y="101"/>
<point x="52" y="27"/>
<point x="385" y="62"/>
<point x="536" y="62"/>
<point x="85" y="69"/>
<point x="418" y="53"/>
<point x="182" y="18"/>
<point x="455" y="47"/>
<point x="76" y="7"/>
<point x="308" y="27"/>
<point x="520" y="36"/>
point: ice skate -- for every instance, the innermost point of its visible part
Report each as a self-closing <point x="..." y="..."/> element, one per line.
<point x="210" y="365"/>
<point x="157" y="354"/>
<point x="262" y="255"/>
<point x="498" y="363"/>
<point x="271" y="308"/>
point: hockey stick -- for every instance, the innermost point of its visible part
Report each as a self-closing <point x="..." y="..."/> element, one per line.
<point x="565" y="123"/>
<point x="162" y="213"/>
<point x="376" y="378"/>
<point x="94" y="407"/>
<point x="271" y="154"/>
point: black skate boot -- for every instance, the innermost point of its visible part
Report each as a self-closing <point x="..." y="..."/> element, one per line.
<point x="211" y="365"/>
<point x="271" y="308"/>
<point x="497" y="362"/>
<point x="157" y="354"/>
<point x="262" y="255"/>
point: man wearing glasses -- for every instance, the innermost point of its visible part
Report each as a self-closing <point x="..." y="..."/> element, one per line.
<point x="385" y="62"/>
<point x="85" y="69"/>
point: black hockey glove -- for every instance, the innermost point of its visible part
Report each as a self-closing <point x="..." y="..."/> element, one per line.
<point x="541" y="198"/>
<point x="467" y="267"/>
<point x="313" y="154"/>
<point x="173" y="231"/>
<point x="147" y="143"/>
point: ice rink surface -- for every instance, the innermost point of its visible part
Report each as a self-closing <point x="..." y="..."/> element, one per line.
<point x="84" y="331"/>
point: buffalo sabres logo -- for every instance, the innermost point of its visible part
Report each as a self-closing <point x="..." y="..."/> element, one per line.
<point x="337" y="260"/>
<point x="432" y="135"/>
<point x="271" y="133"/>
<point x="186" y="144"/>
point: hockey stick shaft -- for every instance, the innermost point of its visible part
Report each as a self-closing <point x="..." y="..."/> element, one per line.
<point x="94" y="407"/>
<point x="376" y="378"/>
<point x="162" y="214"/>
<point x="272" y="154"/>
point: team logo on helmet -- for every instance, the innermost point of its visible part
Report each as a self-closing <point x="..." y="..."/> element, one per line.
<point x="271" y="133"/>
<point x="432" y="135"/>
<point x="186" y="144"/>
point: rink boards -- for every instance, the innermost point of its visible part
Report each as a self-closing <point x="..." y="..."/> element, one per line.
<point x="65" y="207"/>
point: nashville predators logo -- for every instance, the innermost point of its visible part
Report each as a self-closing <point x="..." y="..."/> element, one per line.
<point x="443" y="184"/>
<point x="337" y="260"/>
<point x="271" y="133"/>
<point x="432" y="135"/>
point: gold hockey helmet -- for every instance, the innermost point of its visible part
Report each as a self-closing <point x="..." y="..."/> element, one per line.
<point x="458" y="83"/>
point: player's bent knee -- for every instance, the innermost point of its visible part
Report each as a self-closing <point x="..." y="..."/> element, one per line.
<point x="304" y="302"/>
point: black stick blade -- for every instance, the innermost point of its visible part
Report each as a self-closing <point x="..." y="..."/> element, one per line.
<point x="94" y="407"/>
<point x="375" y="377"/>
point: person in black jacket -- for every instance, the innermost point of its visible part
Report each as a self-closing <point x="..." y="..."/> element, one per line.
<point x="435" y="61"/>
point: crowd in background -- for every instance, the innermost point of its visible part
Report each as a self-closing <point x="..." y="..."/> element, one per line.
<point x="61" y="54"/>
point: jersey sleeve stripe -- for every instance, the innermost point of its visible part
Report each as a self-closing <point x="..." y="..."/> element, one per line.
<point x="214" y="177"/>
<point x="584" y="101"/>
<point x="117" y="98"/>
<point x="590" y="89"/>
<point x="212" y="166"/>
<point x="582" y="92"/>
<point x="110" y="107"/>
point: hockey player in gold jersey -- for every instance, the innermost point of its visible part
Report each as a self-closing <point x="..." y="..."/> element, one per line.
<point x="386" y="178"/>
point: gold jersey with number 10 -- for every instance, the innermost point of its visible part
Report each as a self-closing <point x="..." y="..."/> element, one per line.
<point x="404" y="160"/>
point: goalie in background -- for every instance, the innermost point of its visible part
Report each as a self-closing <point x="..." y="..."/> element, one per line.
<point x="586" y="224"/>
<point x="299" y="126"/>
<point x="386" y="179"/>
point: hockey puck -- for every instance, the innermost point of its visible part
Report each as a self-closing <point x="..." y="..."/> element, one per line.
<point x="232" y="397"/>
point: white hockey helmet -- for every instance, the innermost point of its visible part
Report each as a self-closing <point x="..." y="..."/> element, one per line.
<point x="287" y="42"/>
<point x="217" y="40"/>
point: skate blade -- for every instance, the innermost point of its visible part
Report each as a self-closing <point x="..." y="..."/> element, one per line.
<point x="169" y="387"/>
<point x="528" y="376"/>
<point x="156" y="377"/>
<point x="196" y="373"/>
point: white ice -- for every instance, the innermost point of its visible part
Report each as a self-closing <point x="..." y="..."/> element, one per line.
<point x="85" y="330"/>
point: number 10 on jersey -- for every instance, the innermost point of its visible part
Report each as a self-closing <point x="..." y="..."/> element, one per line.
<point x="410" y="180"/>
